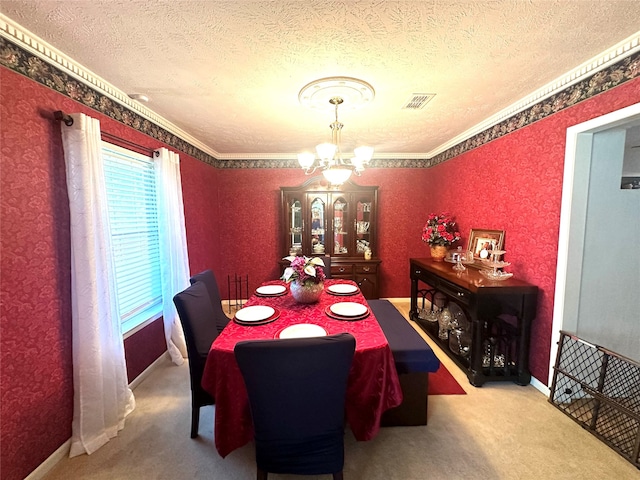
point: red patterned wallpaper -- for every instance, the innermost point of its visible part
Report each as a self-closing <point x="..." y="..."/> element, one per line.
<point x="232" y="218"/>
<point x="143" y="347"/>
<point x="250" y="221"/>
<point x="201" y="207"/>
<point x="515" y="184"/>
<point x="36" y="391"/>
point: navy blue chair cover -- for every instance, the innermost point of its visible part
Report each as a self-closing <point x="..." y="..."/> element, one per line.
<point x="297" y="389"/>
<point x="197" y="319"/>
<point x="208" y="278"/>
<point x="327" y="265"/>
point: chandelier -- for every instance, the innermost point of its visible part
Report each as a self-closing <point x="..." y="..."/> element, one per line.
<point x="330" y="161"/>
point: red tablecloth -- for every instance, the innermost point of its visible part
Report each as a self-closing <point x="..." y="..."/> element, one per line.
<point x="373" y="381"/>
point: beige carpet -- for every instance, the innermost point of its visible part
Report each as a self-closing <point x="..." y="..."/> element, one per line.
<point x="499" y="431"/>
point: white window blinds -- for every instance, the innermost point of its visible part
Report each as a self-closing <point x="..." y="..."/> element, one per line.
<point x="133" y="215"/>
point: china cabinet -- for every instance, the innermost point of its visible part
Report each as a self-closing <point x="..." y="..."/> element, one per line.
<point x="340" y="222"/>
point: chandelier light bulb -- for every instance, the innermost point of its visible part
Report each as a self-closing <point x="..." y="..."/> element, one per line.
<point x="364" y="153"/>
<point x="306" y="159"/>
<point x="337" y="175"/>
<point x="326" y="151"/>
<point x="358" y="162"/>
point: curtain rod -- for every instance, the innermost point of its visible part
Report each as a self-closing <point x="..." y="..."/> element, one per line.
<point x="61" y="116"/>
<point x="107" y="137"/>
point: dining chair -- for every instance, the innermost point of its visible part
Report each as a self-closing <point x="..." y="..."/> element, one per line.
<point x="327" y="265"/>
<point x="208" y="278"/>
<point x="297" y="389"/>
<point x="196" y="316"/>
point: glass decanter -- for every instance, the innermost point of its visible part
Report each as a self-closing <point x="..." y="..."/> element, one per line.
<point x="444" y="323"/>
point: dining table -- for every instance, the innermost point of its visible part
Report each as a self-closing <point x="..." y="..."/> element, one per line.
<point x="373" y="386"/>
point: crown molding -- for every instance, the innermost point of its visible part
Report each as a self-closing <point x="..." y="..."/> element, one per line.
<point x="574" y="86"/>
<point x="38" y="47"/>
<point x="609" y="57"/>
<point x="294" y="157"/>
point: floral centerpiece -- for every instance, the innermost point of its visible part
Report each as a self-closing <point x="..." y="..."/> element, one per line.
<point x="440" y="233"/>
<point x="306" y="275"/>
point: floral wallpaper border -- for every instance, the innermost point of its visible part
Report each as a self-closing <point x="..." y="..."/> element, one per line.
<point x="606" y="79"/>
<point x="25" y="63"/>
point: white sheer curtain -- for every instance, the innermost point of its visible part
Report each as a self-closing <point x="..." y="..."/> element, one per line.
<point x="174" y="258"/>
<point x="102" y="398"/>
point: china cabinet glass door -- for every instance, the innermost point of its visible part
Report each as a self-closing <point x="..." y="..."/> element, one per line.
<point x="318" y="222"/>
<point x="338" y="222"/>
<point x="295" y="227"/>
<point x="341" y="226"/>
<point x="364" y="224"/>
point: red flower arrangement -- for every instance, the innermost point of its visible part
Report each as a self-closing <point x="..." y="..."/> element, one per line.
<point x="440" y="229"/>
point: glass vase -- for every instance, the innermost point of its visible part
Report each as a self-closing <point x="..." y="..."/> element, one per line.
<point x="306" y="292"/>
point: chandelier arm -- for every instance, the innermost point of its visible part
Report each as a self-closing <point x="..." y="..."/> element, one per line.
<point x="333" y="166"/>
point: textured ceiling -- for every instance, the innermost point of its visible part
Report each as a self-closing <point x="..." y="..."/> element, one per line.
<point x="229" y="72"/>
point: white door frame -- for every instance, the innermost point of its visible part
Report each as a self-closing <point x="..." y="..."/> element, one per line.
<point x="577" y="149"/>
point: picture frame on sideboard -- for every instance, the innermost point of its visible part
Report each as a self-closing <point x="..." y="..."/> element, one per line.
<point x="482" y="242"/>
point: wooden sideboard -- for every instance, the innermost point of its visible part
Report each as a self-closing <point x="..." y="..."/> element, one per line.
<point x="497" y="314"/>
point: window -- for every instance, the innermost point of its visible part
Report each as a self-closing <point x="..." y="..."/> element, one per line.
<point x="133" y="216"/>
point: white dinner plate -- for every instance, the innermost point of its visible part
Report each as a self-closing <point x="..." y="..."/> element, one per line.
<point x="348" y="309"/>
<point x="256" y="313"/>
<point x="342" y="288"/>
<point x="303" y="330"/>
<point x="271" y="289"/>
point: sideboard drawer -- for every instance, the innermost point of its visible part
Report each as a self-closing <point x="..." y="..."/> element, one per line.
<point x="455" y="292"/>
<point x="366" y="268"/>
<point x="342" y="269"/>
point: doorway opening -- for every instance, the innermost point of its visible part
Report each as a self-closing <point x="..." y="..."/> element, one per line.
<point x="598" y="269"/>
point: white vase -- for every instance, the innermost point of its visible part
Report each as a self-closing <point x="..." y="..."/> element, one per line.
<point x="306" y="293"/>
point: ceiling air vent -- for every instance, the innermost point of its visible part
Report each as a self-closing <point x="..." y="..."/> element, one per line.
<point x="417" y="101"/>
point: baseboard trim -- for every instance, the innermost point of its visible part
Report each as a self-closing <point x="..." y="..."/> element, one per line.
<point x="538" y="385"/>
<point x="63" y="451"/>
<point x="46" y="466"/>
<point x="147" y="371"/>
